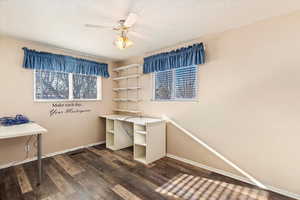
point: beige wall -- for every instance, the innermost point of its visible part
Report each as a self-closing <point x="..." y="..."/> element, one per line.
<point x="249" y="106"/>
<point x="66" y="131"/>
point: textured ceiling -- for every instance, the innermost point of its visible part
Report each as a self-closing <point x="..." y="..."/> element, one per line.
<point x="161" y="22"/>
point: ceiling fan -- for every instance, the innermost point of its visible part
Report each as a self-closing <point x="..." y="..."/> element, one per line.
<point x="122" y="27"/>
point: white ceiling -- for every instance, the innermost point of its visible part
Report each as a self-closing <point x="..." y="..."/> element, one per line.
<point x="162" y="22"/>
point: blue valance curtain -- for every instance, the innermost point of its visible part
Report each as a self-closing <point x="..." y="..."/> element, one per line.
<point x="187" y="56"/>
<point x="54" y="62"/>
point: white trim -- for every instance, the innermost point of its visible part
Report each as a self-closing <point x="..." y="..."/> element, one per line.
<point x="71" y="96"/>
<point x="284" y="192"/>
<point x="34" y="85"/>
<point x="99" y="88"/>
<point x="14" y="163"/>
<point x="228" y="174"/>
<point x="64" y="100"/>
<point x="153" y="86"/>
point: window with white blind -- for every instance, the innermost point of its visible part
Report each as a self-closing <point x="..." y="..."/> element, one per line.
<point x="176" y="84"/>
<point x="61" y="86"/>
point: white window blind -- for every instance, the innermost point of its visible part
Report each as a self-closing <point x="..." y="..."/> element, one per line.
<point x="163" y="85"/>
<point x="176" y="84"/>
<point x="186" y="82"/>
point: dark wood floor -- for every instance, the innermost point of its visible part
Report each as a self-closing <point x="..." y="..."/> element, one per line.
<point x="98" y="173"/>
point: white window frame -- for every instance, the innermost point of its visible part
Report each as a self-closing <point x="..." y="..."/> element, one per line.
<point x="99" y="92"/>
<point x="173" y="91"/>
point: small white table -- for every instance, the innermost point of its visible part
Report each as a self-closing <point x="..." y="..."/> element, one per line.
<point x="147" y="136"/>
<point x="7" y="132"/>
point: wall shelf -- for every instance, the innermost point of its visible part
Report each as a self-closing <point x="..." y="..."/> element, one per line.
<point x="126" y="67"/>
<point x="120" y="99"/>
<point x="141" y="144"/>
<point x="141" y="132"/>
<point x="127" y="88"/>
<point x="126" y="77"/>
<point x="126" y="100"/>
<point x="128" y="111"/>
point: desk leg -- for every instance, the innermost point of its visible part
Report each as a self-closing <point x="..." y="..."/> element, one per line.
<point x="39" y="155"/>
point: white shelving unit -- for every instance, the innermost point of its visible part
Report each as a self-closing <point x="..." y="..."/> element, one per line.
<point x="146" y="135"/>
<point x="110" y="138"/>
<point x="127" y="103"/>
<point x="118" y="134"/>
<point x="149" y="142"/>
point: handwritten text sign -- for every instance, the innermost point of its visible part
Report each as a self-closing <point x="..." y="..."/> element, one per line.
<point x="67" y="108"/>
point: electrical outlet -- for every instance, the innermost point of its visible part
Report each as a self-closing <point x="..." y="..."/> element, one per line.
<point x="27" y="148"/>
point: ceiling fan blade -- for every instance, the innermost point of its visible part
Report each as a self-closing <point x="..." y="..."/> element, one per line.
<point x="131" y="19"/>
<point x="97" y="26"/>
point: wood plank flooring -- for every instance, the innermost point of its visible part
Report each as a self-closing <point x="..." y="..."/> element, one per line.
<point x="23" y="180"/>
<point x="97" y="173"/>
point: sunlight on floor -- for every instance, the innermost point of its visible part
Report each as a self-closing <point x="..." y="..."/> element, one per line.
<point x="190" y="187"/>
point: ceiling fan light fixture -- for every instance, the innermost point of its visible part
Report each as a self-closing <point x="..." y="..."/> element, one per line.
<point x="122" y="27"/>
<point x="123" y="42"/>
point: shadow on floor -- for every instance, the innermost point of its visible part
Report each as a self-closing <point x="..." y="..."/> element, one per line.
<point x="190" y="187"/>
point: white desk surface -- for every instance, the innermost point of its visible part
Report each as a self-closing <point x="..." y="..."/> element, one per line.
<point x="133" y="119"/>
<point x="20" y="130"/>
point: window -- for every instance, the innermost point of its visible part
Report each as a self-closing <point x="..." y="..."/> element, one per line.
<point x="55" y="86"/>
<point x="84" y="87"/>
<point x="176" y="84"/>
<point x="51" y="85"/>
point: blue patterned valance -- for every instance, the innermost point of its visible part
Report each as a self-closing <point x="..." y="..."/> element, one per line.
<point x="187" y="56"/>
<point x="54" y="62"/>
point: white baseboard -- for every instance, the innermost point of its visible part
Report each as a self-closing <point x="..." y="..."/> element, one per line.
<point x="283" y="192"/>
<point x="14" y="163"/>
<point x="228" y="174"/>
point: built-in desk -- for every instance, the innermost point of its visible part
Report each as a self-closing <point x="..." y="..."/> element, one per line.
<point x="146" y="135"/>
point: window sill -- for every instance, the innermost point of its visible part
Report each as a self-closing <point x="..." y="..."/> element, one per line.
<point x="64" y="100"/>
